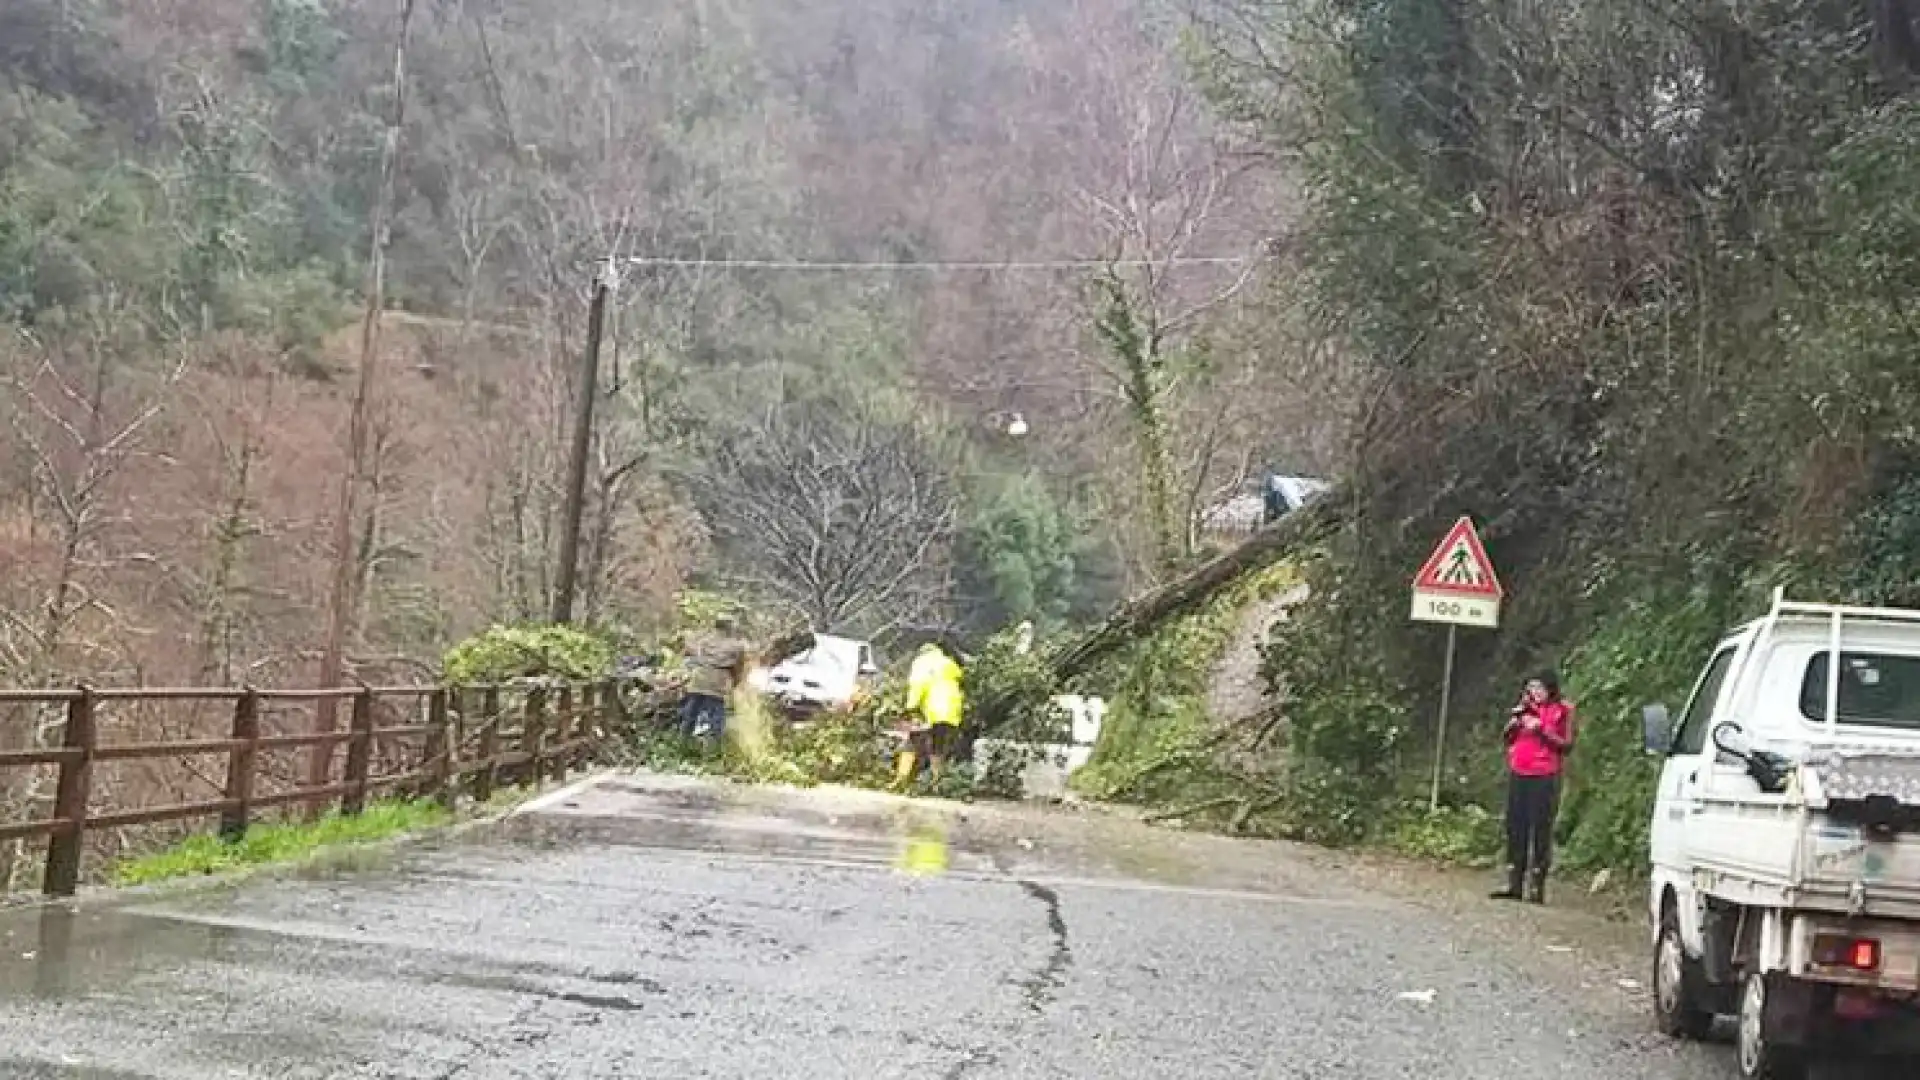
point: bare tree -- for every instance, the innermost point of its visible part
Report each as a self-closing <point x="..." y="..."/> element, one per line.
<point x="80" y="432"/>
<point x="342" y="603"/>
<point x="835" y="514"/>
<point x="79" y="436"/>
<point x="235" y="426"/>
<point x="479" y="220"/>
<point x="1161" y="194"/>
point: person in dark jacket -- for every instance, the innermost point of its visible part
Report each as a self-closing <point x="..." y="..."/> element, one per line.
<point x="719" y="663"/>
<point x="1539" y="736"/>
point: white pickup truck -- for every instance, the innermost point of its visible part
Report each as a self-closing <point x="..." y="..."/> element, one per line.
<point x="1786" y="842"/>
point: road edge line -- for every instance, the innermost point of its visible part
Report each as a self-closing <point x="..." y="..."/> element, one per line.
<point x="554" y="798"/>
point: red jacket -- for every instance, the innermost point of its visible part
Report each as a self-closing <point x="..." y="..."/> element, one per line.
<point x="1541" y="752"/>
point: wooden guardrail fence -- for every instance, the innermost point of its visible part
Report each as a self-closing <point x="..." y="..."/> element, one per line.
<point x="478" y="737"/>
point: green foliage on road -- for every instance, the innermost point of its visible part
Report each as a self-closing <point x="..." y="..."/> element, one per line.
<point x="504" y="653"/>
<point x="855" y="747"/>
<point x="1347" y="715"/>
<point x="269" y="845"/>
<point x="701" y="609"/>
<point x="1016" y="687"/>
<point x="847" y="748"/>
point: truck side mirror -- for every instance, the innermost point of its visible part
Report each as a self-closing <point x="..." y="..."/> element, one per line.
<point x="1657" y="729"/>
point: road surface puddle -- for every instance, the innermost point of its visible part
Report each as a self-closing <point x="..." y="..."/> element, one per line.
<point x="923" y="850"/>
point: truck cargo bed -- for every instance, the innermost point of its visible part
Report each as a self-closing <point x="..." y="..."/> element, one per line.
<point x="1844" y="837"/>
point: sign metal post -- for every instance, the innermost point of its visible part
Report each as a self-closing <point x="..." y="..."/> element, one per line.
<point x="1455" y="586"/>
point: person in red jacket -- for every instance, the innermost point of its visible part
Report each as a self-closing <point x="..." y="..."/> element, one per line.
<point x="1539" y="736"/>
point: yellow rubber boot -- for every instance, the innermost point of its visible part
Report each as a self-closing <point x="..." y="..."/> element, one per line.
<point x="903" y="765"/>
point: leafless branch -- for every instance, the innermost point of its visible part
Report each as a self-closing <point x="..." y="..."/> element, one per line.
<point x="834" y="513"/>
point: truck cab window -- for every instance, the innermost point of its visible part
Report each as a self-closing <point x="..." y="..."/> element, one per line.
<point x="1876" y="689"/>
<point x="1691" y="737"/>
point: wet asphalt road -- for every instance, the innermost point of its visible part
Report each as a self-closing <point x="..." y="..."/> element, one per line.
<point x="656" y="927"/>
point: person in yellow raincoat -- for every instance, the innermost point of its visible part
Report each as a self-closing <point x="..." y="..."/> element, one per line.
<point x="935" y="698"/>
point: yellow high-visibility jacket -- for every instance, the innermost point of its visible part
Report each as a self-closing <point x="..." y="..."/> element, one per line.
<point x="933" y="688"/>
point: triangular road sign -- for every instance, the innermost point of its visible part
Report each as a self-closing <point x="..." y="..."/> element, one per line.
<point x="1460" y="566"/>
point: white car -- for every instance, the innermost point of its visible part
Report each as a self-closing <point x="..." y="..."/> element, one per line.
<point x="833" y="673"/>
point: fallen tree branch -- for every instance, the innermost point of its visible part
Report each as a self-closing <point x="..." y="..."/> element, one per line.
<point x="1271" y="718"/>
<point x="1133" y="619"/>
<point x="1250" y="807"/>
<point x="1193" y="751"/>
<point x="788" y="643"/>
<point x="1202" y="807"/>
<point x="1137" y="617"/>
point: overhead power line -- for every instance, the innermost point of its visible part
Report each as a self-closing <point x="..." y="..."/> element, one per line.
<point x="938" y="266"/>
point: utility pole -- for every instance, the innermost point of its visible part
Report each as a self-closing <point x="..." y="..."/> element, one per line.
<point x="604" y="284"/>
<point x="340" y="603"/>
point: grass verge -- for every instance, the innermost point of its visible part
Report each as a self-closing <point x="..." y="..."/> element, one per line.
<point x="265" y="845"/>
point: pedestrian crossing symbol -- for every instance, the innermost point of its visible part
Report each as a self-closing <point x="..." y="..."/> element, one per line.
<point x="1457" y="583"/>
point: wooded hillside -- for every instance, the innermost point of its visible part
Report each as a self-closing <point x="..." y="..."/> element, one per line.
<point x="185" y="197"/>
<point x="1633" y="285"/>
<point x="1629" y="282"/>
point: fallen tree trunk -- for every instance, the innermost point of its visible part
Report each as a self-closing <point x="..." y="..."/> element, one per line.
<point x="788" y="642"/>
<point x="1135" y="618"/>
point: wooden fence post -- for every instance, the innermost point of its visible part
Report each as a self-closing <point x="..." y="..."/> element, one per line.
<point x="440" y="747"/>
<point x="607" y="720"/>
<point x="459" y="700"/>
<point x="533" y="738"/>
<point x="595" y="726"/>
<point x="586" y="726"/>
<point x="359" y="753"/>
<point x="565" y="725"/>
<point x="488" y="773"/>
<point x="240" y="767"/>
<point x="583" y="721"/>
<point x="70" y="799"/>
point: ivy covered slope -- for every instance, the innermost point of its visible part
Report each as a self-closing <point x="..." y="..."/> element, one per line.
<point x="1159" y="746"/>
<point x="1632" y="285"/>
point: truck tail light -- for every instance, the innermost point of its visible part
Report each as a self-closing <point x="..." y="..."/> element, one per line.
<point x="1859" y="954"/>
<point x="1865" y="955"/>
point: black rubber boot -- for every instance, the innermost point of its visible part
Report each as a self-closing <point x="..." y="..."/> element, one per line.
<point x="1512" y="891"/>
<point x="1537" y="887"/>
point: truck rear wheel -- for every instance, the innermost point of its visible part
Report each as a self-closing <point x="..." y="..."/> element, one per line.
<point x="1761" y="1055"/>
<point x="1679" y="984"/>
